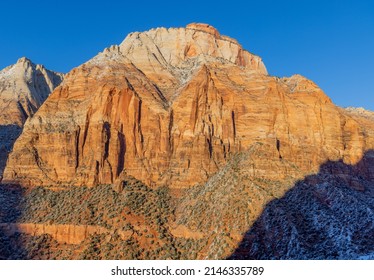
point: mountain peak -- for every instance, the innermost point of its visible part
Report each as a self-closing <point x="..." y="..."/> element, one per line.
<point x="24" y="86"/>
<point x="23" y="60"/>
<point x="181" y="47"/>
<point x="204" y="27"/>
<point x="169" y="57"/>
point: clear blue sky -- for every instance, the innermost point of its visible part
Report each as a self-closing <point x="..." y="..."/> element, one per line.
<point x="330" y="42"/>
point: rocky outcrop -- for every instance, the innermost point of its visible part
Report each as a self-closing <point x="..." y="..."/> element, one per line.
<point x="70" y="234"/>
<point x="24" y="87"/>
<point x="172" y="106"/>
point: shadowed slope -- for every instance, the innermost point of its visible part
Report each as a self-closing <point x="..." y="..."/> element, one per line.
<point x="324" y="216"/>
<point x="8" y="135"/>
<point x="10" y="197"/>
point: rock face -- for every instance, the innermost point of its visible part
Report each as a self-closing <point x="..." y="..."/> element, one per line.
<point x="172" y="106"/>
<point x="24" y="86"/>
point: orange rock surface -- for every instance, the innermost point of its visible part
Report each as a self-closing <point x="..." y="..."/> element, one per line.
<point x="171" y="106"/>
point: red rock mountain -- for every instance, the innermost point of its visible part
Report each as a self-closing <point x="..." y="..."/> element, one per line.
<point x="172" y="106"/>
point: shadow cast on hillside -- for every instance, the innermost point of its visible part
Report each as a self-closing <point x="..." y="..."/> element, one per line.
<point x="10" y="243"/>
<point x="8" y="135"/>
<point x="328" y="215"/>
<point x="10" y="198"/>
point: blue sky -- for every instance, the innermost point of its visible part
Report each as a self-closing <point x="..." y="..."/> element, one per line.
<point x="330" y="42"/>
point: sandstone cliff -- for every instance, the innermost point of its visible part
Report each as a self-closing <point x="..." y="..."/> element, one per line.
<point x="24" y="86"/>
<point x="172" y="106"/>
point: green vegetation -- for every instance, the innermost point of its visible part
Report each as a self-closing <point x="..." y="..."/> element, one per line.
<point x="101" y="205"/>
